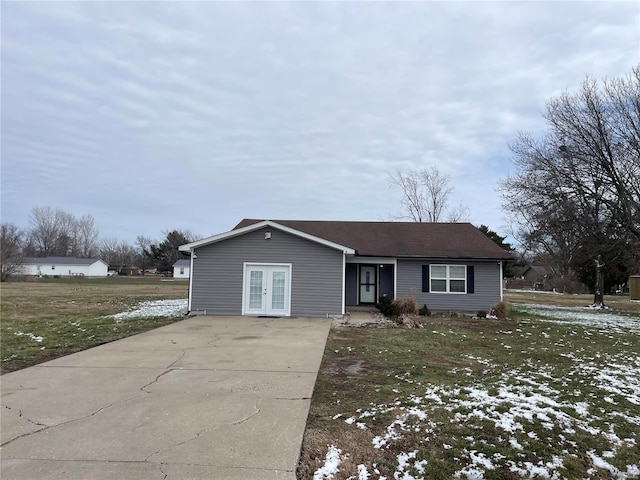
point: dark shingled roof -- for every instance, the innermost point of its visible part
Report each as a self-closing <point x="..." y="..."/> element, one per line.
<point x="400" y="239"/>
<point x="60" y="261"/>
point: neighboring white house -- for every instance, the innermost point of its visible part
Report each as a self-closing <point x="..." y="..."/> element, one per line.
<point x="181" y="268"/>
<point x="65" y="267"/>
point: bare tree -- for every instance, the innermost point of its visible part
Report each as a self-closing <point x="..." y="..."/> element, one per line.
<point x="457" y="214"/>
<point x="117" y="253"/>
<point x="11" y="254"/>
<point x="576" y="194"/>
<point x="143" y="245"/>
<point x="425" y="194"/>
<point x="85" y="237"/>
<point x="55" y="232"/>
<point x="52" y="231"/>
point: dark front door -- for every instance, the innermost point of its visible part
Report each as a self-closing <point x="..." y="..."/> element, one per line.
<point x="368" y="283"/>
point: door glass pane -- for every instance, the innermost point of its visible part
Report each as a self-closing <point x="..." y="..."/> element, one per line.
<point x="255" y="289"/>
<point x="277" y="290"/>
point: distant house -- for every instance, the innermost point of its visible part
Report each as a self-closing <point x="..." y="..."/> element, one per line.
<point x="536" y="273"/>
<point x="319" y="268"/>
<point x="65" y="267"/>
<point x="530" y="277"/>
<point x="130" y="270"/>
<point x="182" y="268"/>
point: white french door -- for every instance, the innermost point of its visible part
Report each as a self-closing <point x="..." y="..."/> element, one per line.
<point x="267" y="290"/>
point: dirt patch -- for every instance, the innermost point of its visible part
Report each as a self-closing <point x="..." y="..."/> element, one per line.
<point x="345" y="366"/>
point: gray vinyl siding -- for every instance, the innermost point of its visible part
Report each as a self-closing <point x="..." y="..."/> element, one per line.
<point x="487" y="286"/>
<point x="316" y="273"/>
<point x="386" y="281"/>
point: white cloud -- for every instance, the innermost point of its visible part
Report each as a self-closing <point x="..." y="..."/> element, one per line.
<point x="150" y="116"/>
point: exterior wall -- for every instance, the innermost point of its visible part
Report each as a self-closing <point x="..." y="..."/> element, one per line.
<point x="351" y="284"/>
<point x="97" y="269"/>
<point x="487" y="291"/>
<point x="384" y="281"/>
<point x="385" y="274"/>
<point x="316" y="273"/>
<point x="177" y="274"/>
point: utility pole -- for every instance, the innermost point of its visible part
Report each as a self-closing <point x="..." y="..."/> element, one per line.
<point x="598" y="298"/>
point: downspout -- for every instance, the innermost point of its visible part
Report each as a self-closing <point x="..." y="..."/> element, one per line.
<point x="501" y="281"/>
<point x="344" y="282"/>
<point x="395" y="279"/>
<point x="190" y="280"/>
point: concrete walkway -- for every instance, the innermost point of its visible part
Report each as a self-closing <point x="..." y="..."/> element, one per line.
<point x="205" y="398"/>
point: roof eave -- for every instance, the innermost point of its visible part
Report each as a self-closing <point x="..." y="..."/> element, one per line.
<point x="189" y="247"/>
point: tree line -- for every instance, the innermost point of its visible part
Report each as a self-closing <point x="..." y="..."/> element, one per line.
<point x="54" y="232"/>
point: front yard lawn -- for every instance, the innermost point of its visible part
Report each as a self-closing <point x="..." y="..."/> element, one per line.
<point x="48" y="318"/>
<point x="552" y="393"/>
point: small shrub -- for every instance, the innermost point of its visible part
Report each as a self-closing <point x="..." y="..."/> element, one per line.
<point x="406" y="305"/>
<point x="481" y="314"/>
<point x="387" y="307"/>
<point x="424" y="311"/>
<point x="398" y="307"/>
<point x="500" y="310"/>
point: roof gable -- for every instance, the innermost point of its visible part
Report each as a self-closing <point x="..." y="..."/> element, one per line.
<point x="258" y="224"/>
<point x="399" y="239"/>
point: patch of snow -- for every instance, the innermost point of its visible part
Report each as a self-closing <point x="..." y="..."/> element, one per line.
<point x="331" y="463"/>
<point x="33" y="337"/>
<point x="155" y="308"/>
<point x="585" y="316"/>
<point x="403" y="463"/>
<point x="363" y="473"/>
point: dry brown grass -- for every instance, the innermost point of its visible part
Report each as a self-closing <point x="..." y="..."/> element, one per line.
<point x="405" y="306"/>
<point x="43" y="299"/>
<point x="72" y="315"/>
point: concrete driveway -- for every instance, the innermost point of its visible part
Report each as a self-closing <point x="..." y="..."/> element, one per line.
<point x="208" y="397"/>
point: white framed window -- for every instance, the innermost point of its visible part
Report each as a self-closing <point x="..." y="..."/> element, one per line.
<point x="181" y="270"/>
<point x="448" y="279"/>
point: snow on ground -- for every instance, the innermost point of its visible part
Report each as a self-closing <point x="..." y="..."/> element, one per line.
<point x="584" y="316"/>
<point x="155" y="308"/>
<point x="32" y="336"/>
<point x="529" y="407"/>
<point x="331" y="463"/>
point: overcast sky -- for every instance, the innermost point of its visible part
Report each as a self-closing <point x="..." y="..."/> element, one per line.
<point x="152" y="116"/>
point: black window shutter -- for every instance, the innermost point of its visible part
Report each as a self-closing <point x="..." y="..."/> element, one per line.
<point x="470" y="280"/>
<point x="425" y="278"/>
